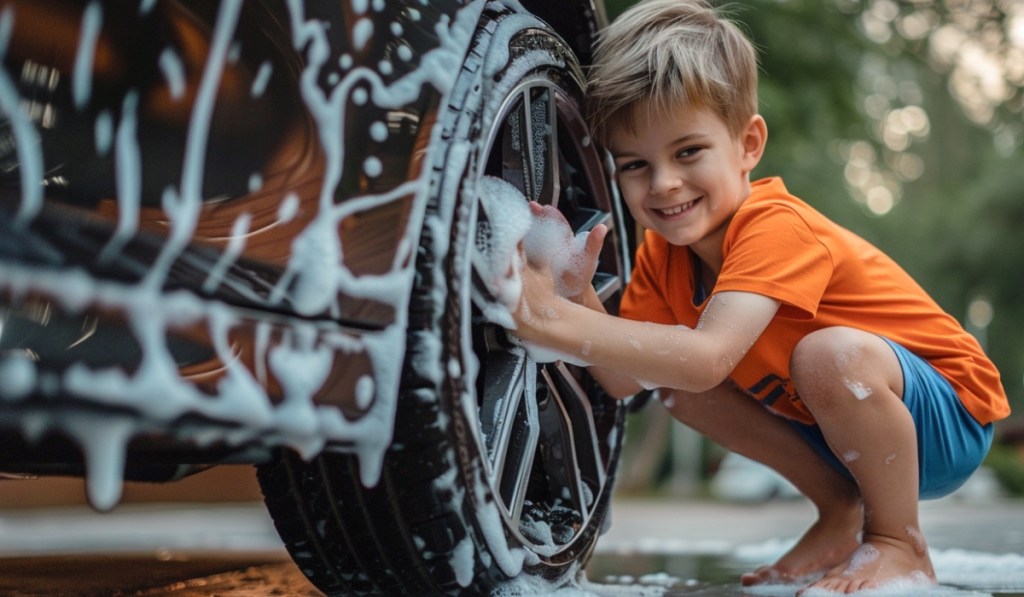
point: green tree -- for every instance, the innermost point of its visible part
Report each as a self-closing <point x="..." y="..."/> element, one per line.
<point x="901" y="120"/>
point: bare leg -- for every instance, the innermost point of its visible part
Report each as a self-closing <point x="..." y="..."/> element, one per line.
<point x="852" y="382"/>
<point x="738" y="422"/>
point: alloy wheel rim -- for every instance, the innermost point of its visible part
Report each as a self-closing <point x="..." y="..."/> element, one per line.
<point x="547" y="449"/>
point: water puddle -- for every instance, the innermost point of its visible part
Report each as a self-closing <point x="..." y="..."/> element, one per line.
<point x="961" y="574"/>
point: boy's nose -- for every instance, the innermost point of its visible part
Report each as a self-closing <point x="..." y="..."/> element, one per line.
<point x="664" y="182"/>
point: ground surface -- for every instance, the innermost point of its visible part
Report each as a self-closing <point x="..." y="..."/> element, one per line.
<point x="231" y="549"/>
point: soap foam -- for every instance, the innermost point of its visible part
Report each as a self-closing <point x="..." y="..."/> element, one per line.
<point x="504" y="222"/>
<point x="550" y="242"/>
<point x="507" y="223"/>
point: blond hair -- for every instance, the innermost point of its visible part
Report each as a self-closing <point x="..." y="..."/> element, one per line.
<point x="664" y="55"/>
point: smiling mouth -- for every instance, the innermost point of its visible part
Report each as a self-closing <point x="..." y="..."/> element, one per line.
<point x="675" y="210"/>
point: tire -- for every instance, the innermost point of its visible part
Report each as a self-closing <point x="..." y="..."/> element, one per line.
<point x="500" y="466"/>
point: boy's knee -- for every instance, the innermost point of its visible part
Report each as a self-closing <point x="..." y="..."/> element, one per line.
<point x="840" y="355"/>
<point x="820" y="350"/>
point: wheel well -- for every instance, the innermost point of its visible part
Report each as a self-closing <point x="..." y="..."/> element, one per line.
<point x="576" y="21"/>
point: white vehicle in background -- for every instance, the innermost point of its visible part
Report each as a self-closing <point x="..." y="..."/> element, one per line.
<point x="243" y="232"/>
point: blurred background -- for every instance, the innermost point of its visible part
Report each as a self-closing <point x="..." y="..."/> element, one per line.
<point x="900" y="119"/>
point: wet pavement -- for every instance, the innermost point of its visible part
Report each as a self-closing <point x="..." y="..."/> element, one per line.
<point x="702" y="547"/>
<point x="990" y="525"/>
<point x="163" y="574"/>
<point x="150" y="550"/>
<point x="669" y="547"/>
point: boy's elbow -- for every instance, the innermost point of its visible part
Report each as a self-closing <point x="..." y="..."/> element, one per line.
<point x="621" y="394"/>
<point x="705" y="384"/>
<point x="616" y="385"/>
<point x="710" y="373"/>
<point x="623" y="390"/>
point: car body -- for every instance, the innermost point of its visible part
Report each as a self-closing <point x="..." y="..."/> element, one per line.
<point x="241" y="231"/>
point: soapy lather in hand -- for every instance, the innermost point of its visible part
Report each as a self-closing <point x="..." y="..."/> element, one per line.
<point x="558" y="266"/>
<point x="550" y="244"/>
<point x="532" y="239"/>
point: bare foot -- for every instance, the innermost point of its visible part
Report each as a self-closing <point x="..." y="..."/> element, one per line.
<point x="878" y="561"/>
<point x="829" y="542"/>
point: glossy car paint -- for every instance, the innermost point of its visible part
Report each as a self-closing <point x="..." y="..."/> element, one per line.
<point x="209" y="216"/>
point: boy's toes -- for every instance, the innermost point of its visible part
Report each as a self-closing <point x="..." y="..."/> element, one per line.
<point x="830" y="586"/>
<point x="762" y="575"/>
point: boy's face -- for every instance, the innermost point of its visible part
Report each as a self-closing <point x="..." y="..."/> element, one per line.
<point x="684" y="174"/>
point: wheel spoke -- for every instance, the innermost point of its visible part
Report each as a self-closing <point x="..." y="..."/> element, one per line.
<point x="544" y="147"/>
<point x="606" y="285"/>
<point x="584" y="219"/>
<point x="509" y="422"/>
<point x="515" y="146"/>
<point x="569" y="439"/>
<point x="503" y="390"/>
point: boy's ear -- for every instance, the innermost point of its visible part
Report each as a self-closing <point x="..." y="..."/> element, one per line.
<point x="754" y="138"/>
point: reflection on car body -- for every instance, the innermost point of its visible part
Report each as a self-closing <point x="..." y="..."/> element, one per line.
<point x="215" y="164"/>
<point x="233" y="228"/>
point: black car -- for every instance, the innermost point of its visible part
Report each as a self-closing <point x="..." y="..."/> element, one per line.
<point x="243" y="231"/>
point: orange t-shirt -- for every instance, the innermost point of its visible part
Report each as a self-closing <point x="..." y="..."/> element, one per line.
<point x="824" y="276"/>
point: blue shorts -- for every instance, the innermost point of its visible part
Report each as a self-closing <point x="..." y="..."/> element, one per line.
<point x="951" y="444"/>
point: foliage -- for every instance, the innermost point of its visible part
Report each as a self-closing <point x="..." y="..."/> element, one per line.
<point x="1006" y="463"/>
<point x="876" y="117"/>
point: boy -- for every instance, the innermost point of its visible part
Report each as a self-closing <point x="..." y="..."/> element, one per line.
<point x="770" y="329"/>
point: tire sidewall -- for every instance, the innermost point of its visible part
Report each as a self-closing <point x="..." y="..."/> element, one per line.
<point x="517" y="40"/>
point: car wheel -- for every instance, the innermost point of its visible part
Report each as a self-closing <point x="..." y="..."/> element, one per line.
<point x="499" y="466"/>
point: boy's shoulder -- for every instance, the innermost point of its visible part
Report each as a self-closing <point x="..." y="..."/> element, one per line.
<point x="771" y="213"/>
<point x="771" y="189"/>
<point x="770" y="196"/>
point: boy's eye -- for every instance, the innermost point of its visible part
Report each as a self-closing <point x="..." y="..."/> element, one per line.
<point x="633" y="165"/>
<point x="687" y="152"/>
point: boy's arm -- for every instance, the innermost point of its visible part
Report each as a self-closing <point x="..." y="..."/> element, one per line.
<point x="615" y="383"/>
<point x="655" y="355"/>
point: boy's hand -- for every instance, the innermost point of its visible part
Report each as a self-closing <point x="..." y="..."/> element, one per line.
<point x="538" y="301"/>
<point x="571" y="259"/>
<point x="557" y="265"/>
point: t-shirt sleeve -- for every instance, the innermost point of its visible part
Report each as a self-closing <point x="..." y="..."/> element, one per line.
<point x="770" y="250"/>
<point x="645" y="296"/>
